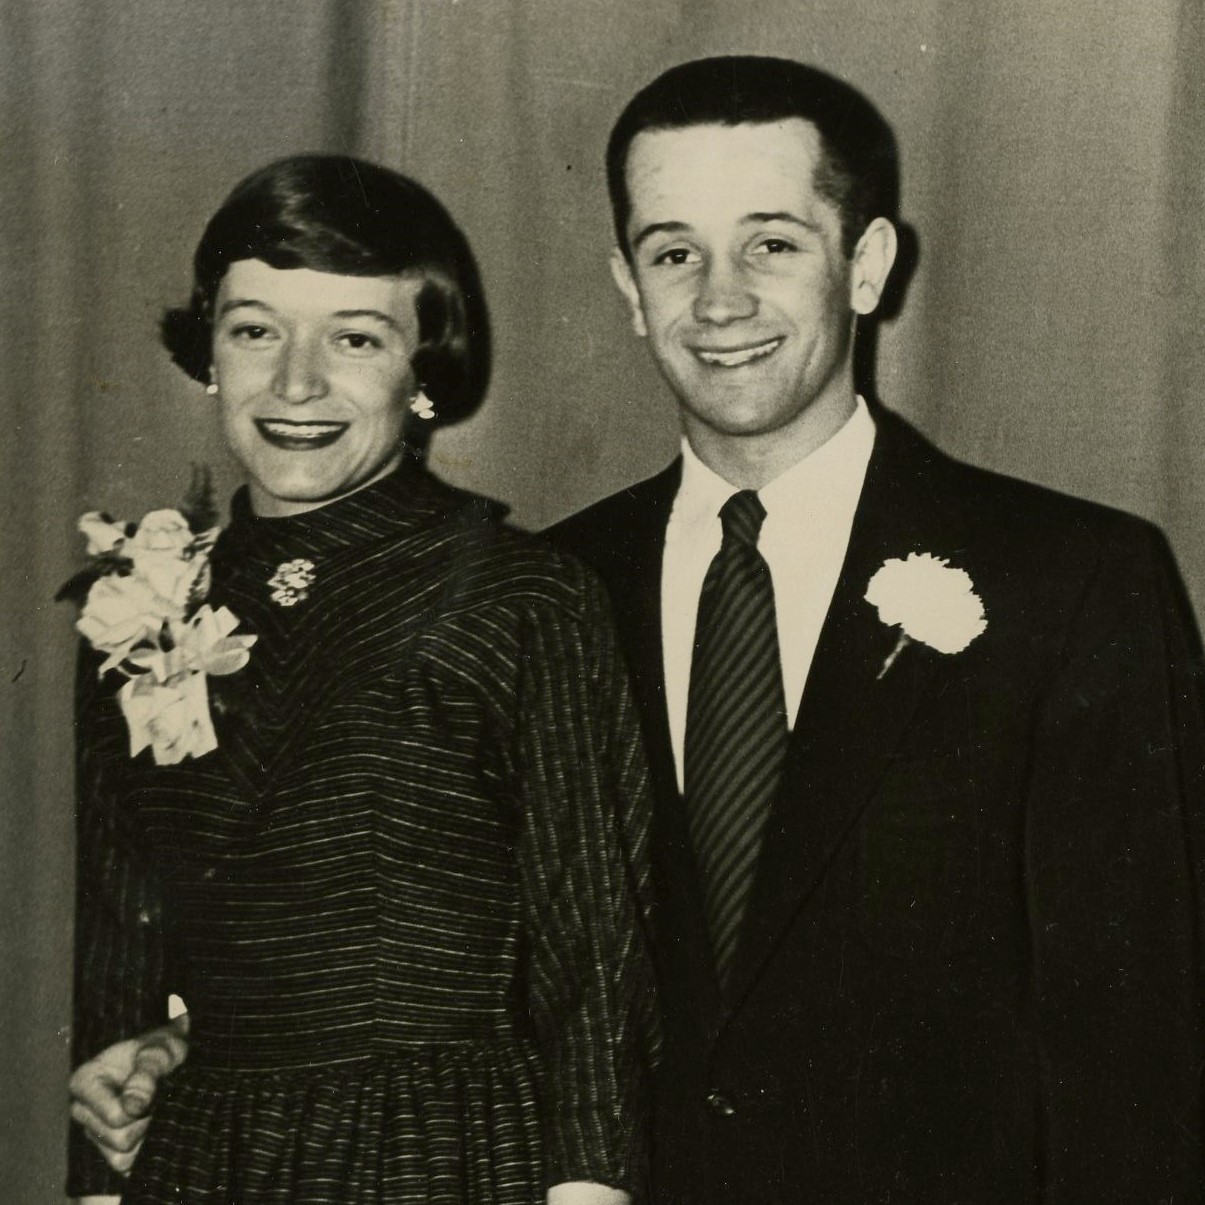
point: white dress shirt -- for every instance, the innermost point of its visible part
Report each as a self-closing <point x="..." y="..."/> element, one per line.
<point x="809" y="513"/>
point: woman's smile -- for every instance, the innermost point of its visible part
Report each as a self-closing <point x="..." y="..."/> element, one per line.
<point x="292" y="436"/>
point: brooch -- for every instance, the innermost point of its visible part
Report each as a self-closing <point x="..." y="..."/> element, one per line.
<point x="291" y="582"/>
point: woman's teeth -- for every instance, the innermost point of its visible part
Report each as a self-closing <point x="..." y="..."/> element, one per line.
<point x="286" y="434"/>
<point x="300" y="430"/>
<point x="743" y="355"/>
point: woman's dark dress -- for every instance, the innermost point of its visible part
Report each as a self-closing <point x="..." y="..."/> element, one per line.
<point x="402" y="900"/>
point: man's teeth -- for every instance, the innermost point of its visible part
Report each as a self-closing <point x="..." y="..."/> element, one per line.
<point x="734" y="359"/>
<point x="300" y="430"/>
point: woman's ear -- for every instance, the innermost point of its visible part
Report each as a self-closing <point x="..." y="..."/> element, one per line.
<point x="625" y="282"/>
<point x="871" y="265"/>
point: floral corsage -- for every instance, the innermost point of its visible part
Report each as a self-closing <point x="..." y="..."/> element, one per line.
<point x="142" y="605"/>
<point x="929" y="600"/>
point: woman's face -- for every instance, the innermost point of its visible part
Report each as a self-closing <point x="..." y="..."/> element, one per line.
<point x="313" y="372"/>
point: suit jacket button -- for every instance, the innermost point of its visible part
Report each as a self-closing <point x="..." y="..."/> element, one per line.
<point x="720" y="1105"/>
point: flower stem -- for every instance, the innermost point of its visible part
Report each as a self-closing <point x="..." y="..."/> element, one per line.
<point x="901" y="644"/>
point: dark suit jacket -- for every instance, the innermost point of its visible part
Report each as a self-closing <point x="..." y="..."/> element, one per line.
<point x="970" y="970"/>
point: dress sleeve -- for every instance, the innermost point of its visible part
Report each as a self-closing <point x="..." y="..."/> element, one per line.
<point x="585" y="883"/>
<point x="119" y="948"/>
<point x="1115" y="861"/>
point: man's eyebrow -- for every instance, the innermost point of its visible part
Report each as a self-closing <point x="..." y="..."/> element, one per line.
<point x="782" y="215"/>
<point x="776" y="215"/>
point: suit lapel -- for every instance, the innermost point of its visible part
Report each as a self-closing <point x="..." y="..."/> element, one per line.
<point x="850" y="719"/>
<point x="636" y="597"/>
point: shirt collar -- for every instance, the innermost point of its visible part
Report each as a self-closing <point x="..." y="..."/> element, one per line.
<point x="842" y="457"/>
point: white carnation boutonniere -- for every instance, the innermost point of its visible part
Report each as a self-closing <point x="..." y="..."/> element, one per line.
<point x="142" y="604"/>
<point x="930" y="601"/>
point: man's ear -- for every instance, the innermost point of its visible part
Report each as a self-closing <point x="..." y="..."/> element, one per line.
<point x="871" y="265"/>
<point x="625" y="282"/>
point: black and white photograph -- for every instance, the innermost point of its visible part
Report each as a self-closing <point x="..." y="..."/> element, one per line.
<point x="601" y="602"/>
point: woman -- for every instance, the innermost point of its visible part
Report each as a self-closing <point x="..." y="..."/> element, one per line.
<point x="401" y="898"/>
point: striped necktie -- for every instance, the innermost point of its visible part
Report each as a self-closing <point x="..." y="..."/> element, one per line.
<point x="736" y="722"/>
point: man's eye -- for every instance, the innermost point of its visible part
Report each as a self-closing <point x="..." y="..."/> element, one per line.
<point x="676" y="255"/>
<point x="773" y="246"/>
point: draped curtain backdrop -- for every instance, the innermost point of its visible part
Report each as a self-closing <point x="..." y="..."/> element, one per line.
<point x="1054" y="170"/>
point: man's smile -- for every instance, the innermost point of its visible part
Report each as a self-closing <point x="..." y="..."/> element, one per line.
<point x="738" y="356"/>
<point x="299" y="436"/>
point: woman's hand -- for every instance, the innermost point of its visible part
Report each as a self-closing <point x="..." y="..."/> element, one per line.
<point x="112" y="1093"/>
<point x="584" y="1192"/>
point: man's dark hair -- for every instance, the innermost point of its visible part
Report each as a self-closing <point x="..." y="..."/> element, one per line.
<point x="332" y="213"/>
<point x="859" y="167"/>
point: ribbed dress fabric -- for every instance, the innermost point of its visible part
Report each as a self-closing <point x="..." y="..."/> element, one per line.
<point x="404" y="900"/>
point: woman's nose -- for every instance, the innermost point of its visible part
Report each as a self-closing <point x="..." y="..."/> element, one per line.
<point x="299" y="374"/>
<point x="724" y="295"/>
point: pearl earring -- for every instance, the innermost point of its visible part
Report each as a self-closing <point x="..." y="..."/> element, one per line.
<point x="212" y="387"/>
<point x="422" y="406"/>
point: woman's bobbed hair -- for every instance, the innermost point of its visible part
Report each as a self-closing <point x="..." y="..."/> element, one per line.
<point x="333" y="213"/>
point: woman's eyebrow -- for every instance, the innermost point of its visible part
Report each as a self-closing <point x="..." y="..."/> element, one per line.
<point x="379" y="315"/>
<point x="237" y="303"/>
<point x="658" y="228"/>
<point x="241" y="302"/>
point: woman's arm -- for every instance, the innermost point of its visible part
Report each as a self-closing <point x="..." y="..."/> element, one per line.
<point x="120" y="987"/>
<point x="585" y="883"/>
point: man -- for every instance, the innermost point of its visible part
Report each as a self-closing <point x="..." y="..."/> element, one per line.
<point x="926" y="921"/>
<point x="939" y="942"/>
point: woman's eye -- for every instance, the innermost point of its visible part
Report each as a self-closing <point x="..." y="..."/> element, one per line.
<point x="676" y="255"/>
<point x="249" y="332"/>
<point x="358" y="341"/>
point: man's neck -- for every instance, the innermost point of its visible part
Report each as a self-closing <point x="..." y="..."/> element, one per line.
<point x="750" y="462"/>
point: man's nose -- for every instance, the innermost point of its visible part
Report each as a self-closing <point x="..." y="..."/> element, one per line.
<point x="724" y="294"/>
<point x="299" y="374"/>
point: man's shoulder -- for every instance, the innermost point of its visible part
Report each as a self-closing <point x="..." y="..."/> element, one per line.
<point x="995" y="502"/>
<point x="612" y="530"/>
<point x="1005" y="506"/>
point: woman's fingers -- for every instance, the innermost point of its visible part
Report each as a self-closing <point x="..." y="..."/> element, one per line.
<point x="112" y="1092"/>
<point x="97" y="1084"/>
<point x="150" y="1066"/>
<point x="116" y="1140"/>
<point x="159" y="1055"/>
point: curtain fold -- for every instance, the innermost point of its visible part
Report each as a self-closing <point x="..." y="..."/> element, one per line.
<point x="1054" y="172"/>
<point x="1180" y="314"/>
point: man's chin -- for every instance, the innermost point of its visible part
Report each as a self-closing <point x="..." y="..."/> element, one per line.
<point x="744" y="421"/>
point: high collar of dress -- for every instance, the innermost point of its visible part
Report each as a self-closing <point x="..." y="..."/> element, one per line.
<point x="406" y="499"/>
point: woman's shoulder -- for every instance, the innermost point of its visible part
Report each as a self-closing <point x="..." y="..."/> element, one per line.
<point x="498" y="565"/>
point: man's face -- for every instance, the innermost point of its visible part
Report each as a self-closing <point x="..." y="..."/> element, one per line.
<point x="738" y="278"/>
